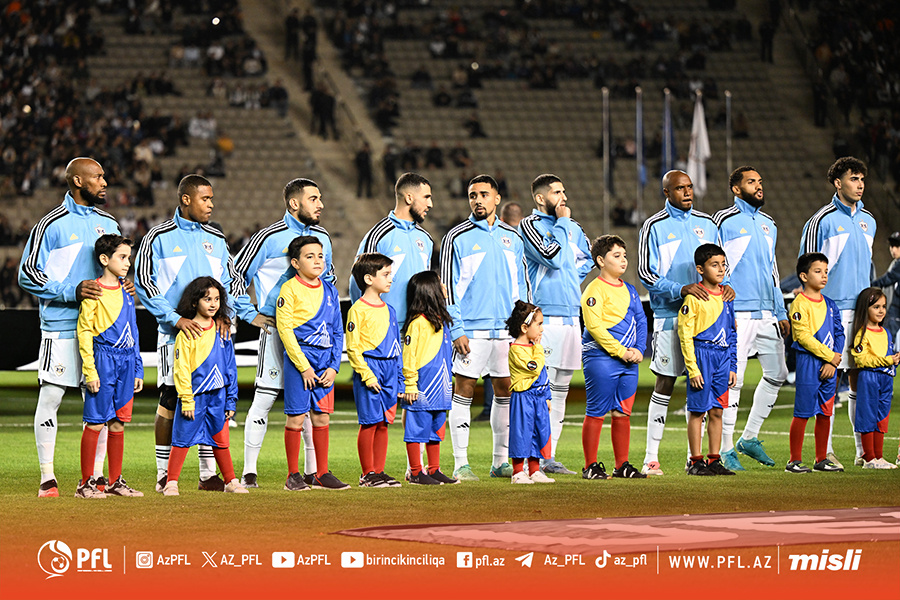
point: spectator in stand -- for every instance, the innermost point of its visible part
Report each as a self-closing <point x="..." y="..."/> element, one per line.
<point x="460" y="156"/>
<point x="474" y="127"/>
<point x="363" y="162"/>
<point x="434" y="156"/>
<point x="292" y="35"/>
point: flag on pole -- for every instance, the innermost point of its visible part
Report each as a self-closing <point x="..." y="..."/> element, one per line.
<point x="699" y="152"/>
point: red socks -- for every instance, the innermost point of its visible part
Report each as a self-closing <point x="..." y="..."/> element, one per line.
<point x="292" y="440"/>
<point x="590" y="438"/>
<point x="176" y="462"/>
<point x="868" y="444"/>
<point x="223" y="459"/>
<point x="798" y="430"/>
<point x="621" y="437"/>
<point x="115" y="449"/>
<point x="518" y="465"/>
<point x="380" y="447"/>
<point x="414" y="453"/>
<point x="433" y="450"/>
<point x="88" y="452"/>
<point x="823" y="428"/>
<point x="320" y="443"/>
<point x="364" y="447"/>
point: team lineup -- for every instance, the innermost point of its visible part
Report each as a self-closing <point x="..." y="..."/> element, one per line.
<point x="505" y="304"/>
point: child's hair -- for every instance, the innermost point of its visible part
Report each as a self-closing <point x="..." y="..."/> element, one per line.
<point x="866" y="298"/>
<point x="368" y="264"/>
<point x="298" y="242"/>
<point x="195" y="290"/>
<point x="704" y="252"/>
<point x="604" y="244"/>
<point x="806" y="260"/>
<point x="522" y="314"/>
<point x="106" y="245"/>
<point x="425" y="296"/>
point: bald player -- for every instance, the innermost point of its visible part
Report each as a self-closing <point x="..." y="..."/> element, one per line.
<point x="58" y="267"/>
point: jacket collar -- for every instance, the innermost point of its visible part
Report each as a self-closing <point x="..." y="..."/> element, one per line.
<point x="75" y="208"/>
<point x="295" y="224"/>
<point x="543" y="215"/>
<point x="745" y="207"/>
<point x="401" y="223"/>
<point x="677" y="213"/>
<point x="185" y="224"/>
<point x="483" y="223"/>
<point x="846" y="209"/>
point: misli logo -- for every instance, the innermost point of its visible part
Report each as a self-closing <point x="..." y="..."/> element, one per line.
<point x="54" y="558"/>
<point x="826" y="560"/>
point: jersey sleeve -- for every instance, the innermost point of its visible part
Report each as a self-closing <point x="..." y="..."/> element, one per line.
<point x="284" y="321"/>
<point x="138" y="361"/>
<point x="731" y="336"/>
<point x="32" y="276"/>
<point x="891" y="276"/>
<point x="450" y="277"/>
<point x="648" y="267"/>
<point x="524" y="282"/>
<point x="548" y="254"/>
<point x="86" y="314"/>
<point x="593" y="322"/>
<point x="356" y="326"/>
<point x="246" y="264"/>
<point x="640" y="320"/>
<point x="231" y="379"/>
<point x="413" y="347"/>
<point x="840" y="336"/>
<point x="146" y="271"/>
<point x="337" y="332"/>
<point x="801" y="328"/>
<point x="687" y="323"/>
<point x="183" y="368"/>
<point x="865" y="356"/>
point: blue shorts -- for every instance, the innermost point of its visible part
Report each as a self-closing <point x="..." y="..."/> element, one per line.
<point x="209" y="425"/>
<point x="114" y="400"/>
<point x="422" y="426"/>
<point x="529" y="423"/>
<point x="715" y="365"/>
<point x="297" y="399"/>
<point x="814" y="396"/>
<point x="609" y="383"/>
<point x="377" y="407"/>
<point x="873" y="400"/>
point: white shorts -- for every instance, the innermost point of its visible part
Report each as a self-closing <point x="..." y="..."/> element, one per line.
<point x="59" y="360"/>
<point x="757" y="336"/>
<point x="847" y="361"/>
<point x="165" y="360"/>
<point x="270" y="360"/>
<point x="485" y="357"/>
<point x="562" y="345"/>
<point x="667" y="357"/>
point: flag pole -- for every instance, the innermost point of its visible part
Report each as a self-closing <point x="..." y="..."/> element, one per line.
<point x="607" y="176"/>
<point x="639" y="152"/>
<point x="728" y="163"/>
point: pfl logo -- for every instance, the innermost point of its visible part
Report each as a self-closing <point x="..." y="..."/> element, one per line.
<point x="55" y="558"/>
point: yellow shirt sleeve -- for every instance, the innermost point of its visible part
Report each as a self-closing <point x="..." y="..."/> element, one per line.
<point x="802" y="330"/>
<point x="865" y="355"/>
<point x="284" y="321"/>
<point x="183" y="370"/>
<point x="413" y="345"/>
<point x="357" y="325"/>
<point x="687" y="323"/>
<point x="87" y="313"/>
<point x="593" y="322"/>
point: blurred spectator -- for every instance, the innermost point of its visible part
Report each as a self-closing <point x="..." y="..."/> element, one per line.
<point x="459" y="155"/>
<point x="434" y="156"/>
<point x="292" y="35"/>
<point x="473" y="126"/>
<point x="363" y="162"/>
<point x="421" y="79"/>
<point x="322" y="103"/>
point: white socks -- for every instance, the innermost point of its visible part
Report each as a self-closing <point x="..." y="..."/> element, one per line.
<point x="857" y="437"/>
<point x="656" y="424"/>
<point x="460" y="420"/>
<point x="255" y="426"/>
<point x="162" y="460"/>
<point x="763" y="400"/>
<point x="500" y="429"/>
<point x="559" y="390"/>
<point x="207" y="461"/>
<point x="45" y="426"/>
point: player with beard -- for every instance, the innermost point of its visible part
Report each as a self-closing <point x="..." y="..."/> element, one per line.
<point x="264" y="263"/>
<point x="748" y="237"/>
<point x="843" y="230"/>
<point x="58" y="267"/>
<point x="401" y="237"/>
<point x="558" y="255"/>
<point x="483" y="267"/>
<point x="171" y="256"/>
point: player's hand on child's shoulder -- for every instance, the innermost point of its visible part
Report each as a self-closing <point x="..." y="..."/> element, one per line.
<point x="224" y="329"/>
<point x="727" y="293"/>
<point x="88" y="289"/>
<point x="696" y="290"/>
<point x="190" y="328"/>
<point x="93" y="386"/>
<point x="128" y="285"/>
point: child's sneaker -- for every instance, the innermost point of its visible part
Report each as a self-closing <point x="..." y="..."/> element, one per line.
<point x="49" y="489"/>
<point x="101" y="483"/>
<point x="250" y="480"/>
<point x="329" y="482"/>
<point x="295" y="483"/>
<point x="754" y="449"/>
<point x="717" y="468"/>
<point x="234" y="487"/>
<point x="870" y="464"/>
<point x="465" y="473"/>
<point x="652" y="468"/>
<point x="161" y="482"/>
<point x="627" y="471"/>
<point x="795" y="466"/>
<point x="308" y="478"/>
<point x="440" y="477"/>
<point x="731" y="461"/>
<point x="504" y="470"/>
<point x="594" y="471"/>
<point x="826" y="465"/>
<point x="831" y="456"/>
<point x="539" y="477"/>
<point x="860" y="461"/>
<point x="211" y="484"/>
<point x="883" y="464"/>
<point x="88" y="489"/>
<point x="120" y="488"/>
<point x="699" y="468"/>
<point x="388" y="480"/>
<point x="521" y="477"/>
<point x="555" y="467"/>
<point x="423" y="478"/>
<point x="170" y="489"/>
<point x="371" y="479"/>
